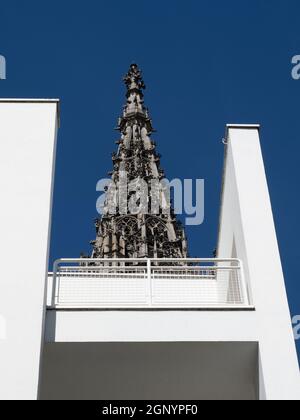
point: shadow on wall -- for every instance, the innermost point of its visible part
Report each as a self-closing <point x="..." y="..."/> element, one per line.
<point x="150" y="371"/>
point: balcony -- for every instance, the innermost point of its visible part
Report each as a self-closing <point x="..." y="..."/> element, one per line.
<point x="148" y="284"/>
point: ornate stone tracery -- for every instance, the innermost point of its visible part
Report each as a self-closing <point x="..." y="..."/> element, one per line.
<point x="138" y="235"/>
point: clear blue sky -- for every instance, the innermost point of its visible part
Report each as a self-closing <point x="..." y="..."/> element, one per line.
<point x="205" y="63"/>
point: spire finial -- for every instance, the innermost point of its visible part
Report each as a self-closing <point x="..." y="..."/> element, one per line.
<point x="133" y="79"/>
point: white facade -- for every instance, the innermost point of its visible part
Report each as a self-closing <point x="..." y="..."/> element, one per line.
<point x="27" y="141"/>
<point x="247" y="231"/>
<point x="236" y="350"/>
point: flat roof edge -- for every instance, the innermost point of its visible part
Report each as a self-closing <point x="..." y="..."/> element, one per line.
<point x="34" y="101"/>
<point x="30" y="100"/>
<point x="241" y="126"/>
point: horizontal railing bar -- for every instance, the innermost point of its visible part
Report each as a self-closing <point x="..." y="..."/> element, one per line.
<point x="156" y="307"/>
<point x="113" y="275"/>
<point x="197" y="259"/>
<point x="174" y="268"/>
<point x="109" y="260"/>
<point x="70" y="268"/>
<point x="199" y="268"/>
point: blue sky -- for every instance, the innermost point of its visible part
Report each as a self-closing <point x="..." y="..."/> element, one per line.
<point x="206" y="63"/>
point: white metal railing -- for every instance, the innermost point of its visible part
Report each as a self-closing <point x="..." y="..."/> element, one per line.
<point x="148" y="283"/>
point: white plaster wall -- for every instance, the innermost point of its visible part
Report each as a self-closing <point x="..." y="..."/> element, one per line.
<point x="27" y="149"/>
<point x="143" y="326"/>
<point x="246" y="218"/>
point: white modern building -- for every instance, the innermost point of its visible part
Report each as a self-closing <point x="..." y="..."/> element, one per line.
<point x="207" y="329"/>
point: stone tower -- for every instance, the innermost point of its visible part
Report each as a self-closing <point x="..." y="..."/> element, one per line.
<point x="151" y="230"/>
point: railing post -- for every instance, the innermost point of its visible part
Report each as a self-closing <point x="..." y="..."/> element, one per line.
<point x="243" y="284"/>
<point x="55" y="286"/>
<point x="149" y="282"/>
